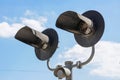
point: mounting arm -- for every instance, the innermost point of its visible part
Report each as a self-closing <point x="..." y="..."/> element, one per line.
<point x="48" y="65"/>
<point x="66" y="71"/>
<point x="79" y="64"/>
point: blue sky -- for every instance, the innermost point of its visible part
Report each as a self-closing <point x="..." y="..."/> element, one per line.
<point x="18" y="60"/>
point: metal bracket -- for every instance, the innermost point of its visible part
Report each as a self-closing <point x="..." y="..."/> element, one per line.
<point x="69" y="65"/>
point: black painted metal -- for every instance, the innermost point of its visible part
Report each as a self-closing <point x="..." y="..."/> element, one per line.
<point x="44" y="54"/>
<point x="26" y="35"/>
<point x="70" y="21"/>
<point x="98" y="25"/>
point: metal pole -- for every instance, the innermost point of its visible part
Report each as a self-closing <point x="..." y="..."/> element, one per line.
<point x="68" y="64"/>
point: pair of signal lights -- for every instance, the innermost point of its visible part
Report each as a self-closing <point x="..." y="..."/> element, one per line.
<point x="87" y="28"/>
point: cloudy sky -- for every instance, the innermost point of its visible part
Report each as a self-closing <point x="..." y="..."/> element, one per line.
<point x="18" y="60"/>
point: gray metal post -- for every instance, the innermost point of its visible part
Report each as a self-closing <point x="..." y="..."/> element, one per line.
<point x="68" y="64"/>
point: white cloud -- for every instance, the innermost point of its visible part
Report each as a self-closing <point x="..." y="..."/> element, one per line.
<point x="9" y="30"/>
<point x="75" y="53"/>
<point x="106" y="61"/>
<point x="35" y="24"/>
